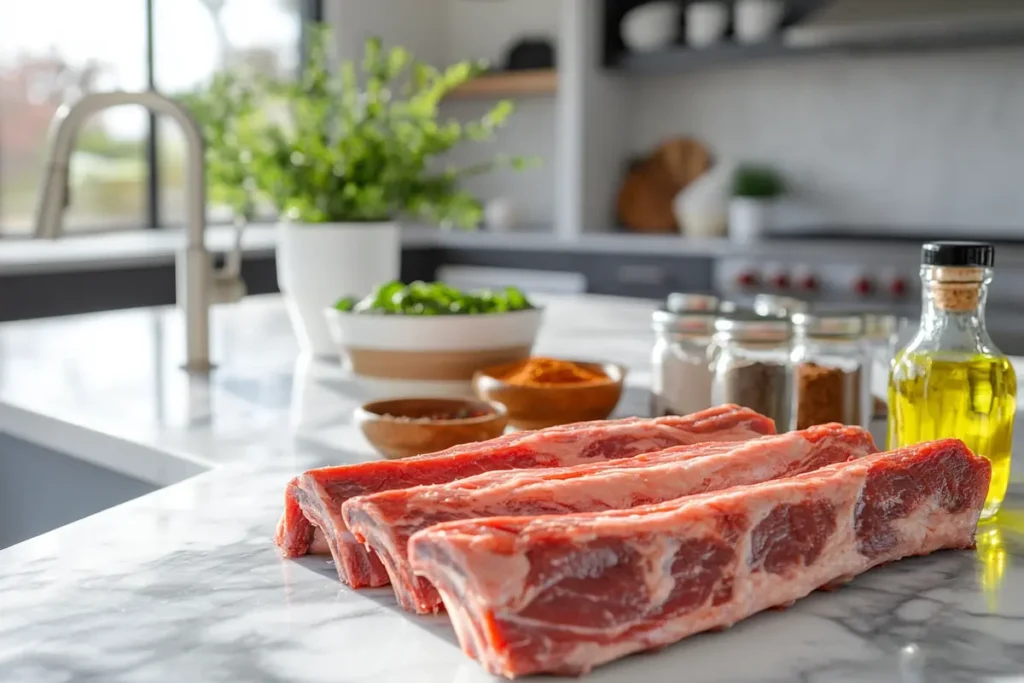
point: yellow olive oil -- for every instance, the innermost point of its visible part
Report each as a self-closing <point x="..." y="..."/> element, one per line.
<point x="936" y="395"/>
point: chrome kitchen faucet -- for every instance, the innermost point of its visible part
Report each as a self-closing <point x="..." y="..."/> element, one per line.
<point x="198" y="284"/>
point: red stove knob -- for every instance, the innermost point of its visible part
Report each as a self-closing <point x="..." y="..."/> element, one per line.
<point x="809" y="283"/>
<point x="862" y="286"/>
<point x="747" y="279"/>
<point x="898" y="287"/>
<point x="780" y="281"/>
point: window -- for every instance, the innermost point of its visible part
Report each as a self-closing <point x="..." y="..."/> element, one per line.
<point x="126" y="172"/>
<point x="263" y="35"/>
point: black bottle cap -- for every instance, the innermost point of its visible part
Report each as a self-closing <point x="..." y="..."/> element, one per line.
<point x="959" y="254"/>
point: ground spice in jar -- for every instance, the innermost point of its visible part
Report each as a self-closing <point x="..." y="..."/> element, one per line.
<point x="827" y="394"/>
<point x="681" y="375"/>
<point x="764" y="387"/>
<point x="753" y="366"/>
<point x="551" y="371"/>
<point x="680" y="386"/>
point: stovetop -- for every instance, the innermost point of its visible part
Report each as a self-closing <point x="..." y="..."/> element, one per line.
<point x="893" y="236"/>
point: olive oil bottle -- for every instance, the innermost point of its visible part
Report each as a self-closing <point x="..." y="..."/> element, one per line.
<point x="951" y="380"/>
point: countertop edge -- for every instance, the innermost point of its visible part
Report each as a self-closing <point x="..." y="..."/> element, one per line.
<point x="98" y="446"/>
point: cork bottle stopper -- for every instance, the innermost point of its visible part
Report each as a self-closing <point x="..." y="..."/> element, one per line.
<point x="957" y="290"/>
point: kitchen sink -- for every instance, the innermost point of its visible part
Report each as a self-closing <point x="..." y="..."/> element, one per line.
<point x="42" y="489"/>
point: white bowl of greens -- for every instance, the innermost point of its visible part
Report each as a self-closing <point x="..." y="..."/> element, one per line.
<point x="428" y="338"/>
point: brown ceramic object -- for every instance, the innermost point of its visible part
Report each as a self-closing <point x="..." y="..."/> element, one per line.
<point x="651" y="185"/>
<point x="536" y="407"/>
<point x="397" y="427"/>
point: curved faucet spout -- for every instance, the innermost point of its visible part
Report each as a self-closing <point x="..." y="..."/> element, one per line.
<point x="196" y="280"/>
<point x="67" y="123"/>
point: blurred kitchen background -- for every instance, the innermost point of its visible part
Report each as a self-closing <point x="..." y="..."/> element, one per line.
<point x="790" y="147"/>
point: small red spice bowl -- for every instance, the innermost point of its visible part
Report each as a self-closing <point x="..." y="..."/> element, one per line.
<point x="406" y="427"/>
<point x="548" y="405"/>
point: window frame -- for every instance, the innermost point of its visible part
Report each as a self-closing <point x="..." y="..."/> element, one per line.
<point x="310" y="11"/>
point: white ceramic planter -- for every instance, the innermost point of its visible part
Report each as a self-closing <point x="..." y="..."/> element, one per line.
<point x="748" y="219"/>
<point x="318" y="264"/>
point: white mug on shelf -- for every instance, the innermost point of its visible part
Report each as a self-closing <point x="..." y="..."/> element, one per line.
<point x="651" y="27"/>
<point x="706" y="23"/>
<point x="757" y="20"/>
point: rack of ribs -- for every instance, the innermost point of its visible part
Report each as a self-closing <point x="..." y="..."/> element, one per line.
<point x="312" y="512"/>
<point x="385" y="521"/>
<point x="563" y="594"/>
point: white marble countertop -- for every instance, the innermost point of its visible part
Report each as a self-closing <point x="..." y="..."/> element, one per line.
<point x="185" y="585"/>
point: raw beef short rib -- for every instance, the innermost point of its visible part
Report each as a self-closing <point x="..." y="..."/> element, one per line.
<point x="564" y="594"/>
<point x="386" y="521"/>
<point x="312" y="510"/>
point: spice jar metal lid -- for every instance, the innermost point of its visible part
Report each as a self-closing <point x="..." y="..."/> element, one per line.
<point x="880" y="325"/>
<point x="678" y="302"/>
<point x="689" y="323"/>
<point x="772" y="304"/>
<point x="748" y="326"/>
<point x="834" y="324"/>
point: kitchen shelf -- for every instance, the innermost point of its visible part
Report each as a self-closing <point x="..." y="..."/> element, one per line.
<point x="534" y="82"/>
<point x="680" y="58"/>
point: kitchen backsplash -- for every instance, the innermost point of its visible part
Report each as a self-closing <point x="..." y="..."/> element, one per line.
<point x="445" y="31"/>
<point x="917" y="141"/>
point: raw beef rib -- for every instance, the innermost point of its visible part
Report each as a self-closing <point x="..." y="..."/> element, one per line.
<point x="385" y="521"/>
<point x="313" y="500"/>
<point x="564" y="594"/>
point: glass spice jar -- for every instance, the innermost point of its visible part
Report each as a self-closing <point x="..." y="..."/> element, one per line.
<point x="680" y="372"/>
<point x="881" y="335"/>
<point x="832" y="370"/>
<point x="773" y="305"/>
<point x="678" y="302"/>
<point x="752" y="364"/>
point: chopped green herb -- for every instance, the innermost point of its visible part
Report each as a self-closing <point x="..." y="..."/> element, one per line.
<point x="434" y="298"/>
<point x="346" y="304"/>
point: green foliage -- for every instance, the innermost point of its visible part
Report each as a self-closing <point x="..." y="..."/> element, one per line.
<point x="356" y="143"/>
<point x="757" y="182"/>
<point x="232" y="123"/>
<point x="434" y="298"/>
<point x="97" y="141"/>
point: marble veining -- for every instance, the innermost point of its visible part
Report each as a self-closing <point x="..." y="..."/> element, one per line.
<point x="185" y="585"/>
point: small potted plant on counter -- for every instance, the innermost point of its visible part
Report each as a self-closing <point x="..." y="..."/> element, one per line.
<point x="345" y="152"/>
<point x="755" y="190"/>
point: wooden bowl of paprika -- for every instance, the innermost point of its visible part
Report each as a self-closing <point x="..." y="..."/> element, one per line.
<point x="544" y="392"/>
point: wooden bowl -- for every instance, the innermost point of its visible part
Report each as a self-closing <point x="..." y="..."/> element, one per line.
<point x="536" y="407"/>
<point x="404" y="427"/>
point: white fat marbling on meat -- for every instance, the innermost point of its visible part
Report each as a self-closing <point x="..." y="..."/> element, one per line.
<point x="652" y="477"/>
<point x="926" y="529"/>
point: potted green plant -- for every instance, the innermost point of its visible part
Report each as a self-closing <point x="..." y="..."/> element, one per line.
<point x="343" y="153"/>
<point x="754" y="192"/>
